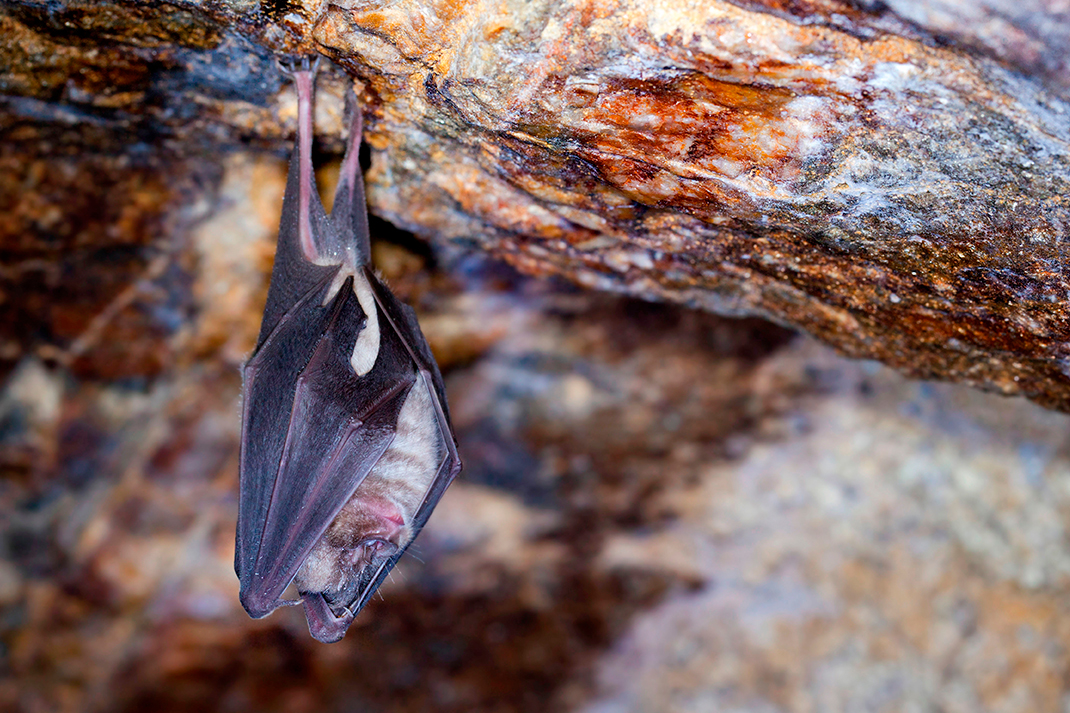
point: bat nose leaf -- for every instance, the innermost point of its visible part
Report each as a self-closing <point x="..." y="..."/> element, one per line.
<point x="323" y="623"/>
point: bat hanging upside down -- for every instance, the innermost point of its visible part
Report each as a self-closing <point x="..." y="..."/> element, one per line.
<point x="346" y="441"/>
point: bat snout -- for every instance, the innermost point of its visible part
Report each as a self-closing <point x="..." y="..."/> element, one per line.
<point x="324" y="625"/>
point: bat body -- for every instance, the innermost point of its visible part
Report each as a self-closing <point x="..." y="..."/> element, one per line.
<point x="346" y="441"/>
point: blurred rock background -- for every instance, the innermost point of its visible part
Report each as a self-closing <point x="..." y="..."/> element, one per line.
<point x="661" y="510"/>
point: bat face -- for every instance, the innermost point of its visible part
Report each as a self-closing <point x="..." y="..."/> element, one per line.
<point x="346" y="440"/>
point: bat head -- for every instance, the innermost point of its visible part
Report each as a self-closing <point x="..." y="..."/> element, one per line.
<point x="368" y="531"/>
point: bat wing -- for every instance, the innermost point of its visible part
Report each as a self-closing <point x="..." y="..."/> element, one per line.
<point x="402" y="319"/>
<point x="294" y="275"/>
<point x="349" y="212"/>
<point x="313" y="431"/>
<point x="397" y="319"/>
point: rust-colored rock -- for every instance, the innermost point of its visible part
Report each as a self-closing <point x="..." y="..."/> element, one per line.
<point x="844" y="175"/>
<point x="889" y="177"/>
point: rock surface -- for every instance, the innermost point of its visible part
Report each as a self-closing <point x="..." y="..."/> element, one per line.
<point x="662" y="509"/>
<point x="835" y="172"/>
<point x="890" y="177"/>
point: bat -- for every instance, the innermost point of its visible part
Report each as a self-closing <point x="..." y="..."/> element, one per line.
<point x="346" y="442"/>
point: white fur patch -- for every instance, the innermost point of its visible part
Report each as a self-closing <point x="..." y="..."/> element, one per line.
<point x="412" y="460"/>
<point x="320" y="572"/>
<point x="366" y="350"/>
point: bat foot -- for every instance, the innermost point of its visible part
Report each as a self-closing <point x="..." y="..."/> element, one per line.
<point x="292" y="65"/>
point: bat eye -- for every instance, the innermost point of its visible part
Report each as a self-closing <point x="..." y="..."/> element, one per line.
<point x="379" y="547"/>
<point x="373" y="548"/>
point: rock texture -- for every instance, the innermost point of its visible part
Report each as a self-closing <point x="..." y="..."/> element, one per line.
<point x="896" y="199"/>
<point x="662" y="508"/>
<point x="889" y="177"/>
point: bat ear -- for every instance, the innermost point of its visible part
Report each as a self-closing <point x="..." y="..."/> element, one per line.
<point x="349" y="215"/>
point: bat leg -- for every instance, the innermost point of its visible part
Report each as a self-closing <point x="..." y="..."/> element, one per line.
<point x="351" y="162"/>
<point x="349" y="215"/>
<point x="304" y="80"/>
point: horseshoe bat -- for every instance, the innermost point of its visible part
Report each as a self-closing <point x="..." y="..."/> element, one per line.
<point x="346" y="442"/>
